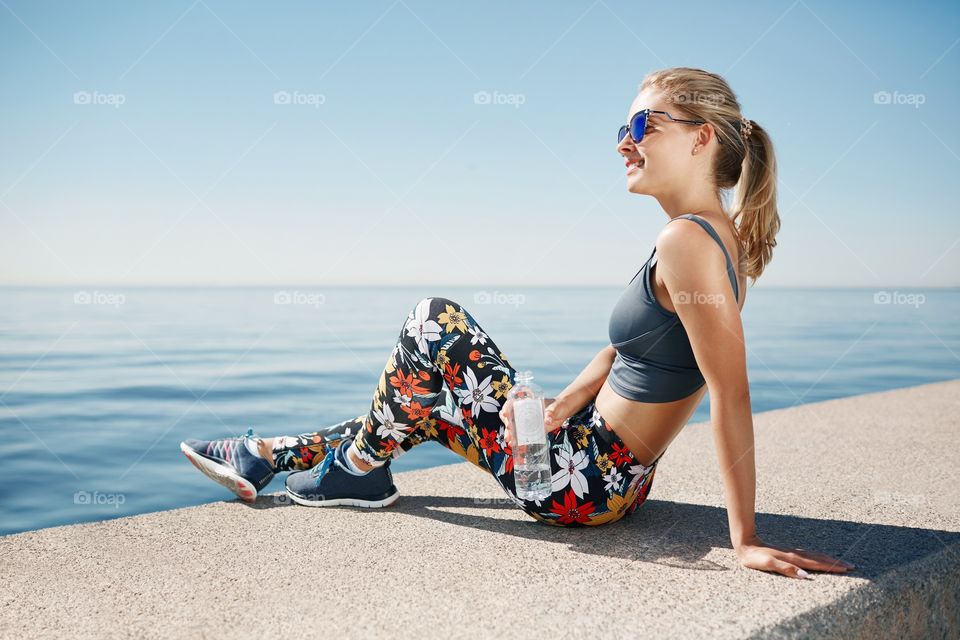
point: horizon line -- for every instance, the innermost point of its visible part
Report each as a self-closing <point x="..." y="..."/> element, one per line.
<point x="412" y="286"/>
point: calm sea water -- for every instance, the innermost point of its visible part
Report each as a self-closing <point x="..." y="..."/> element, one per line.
<point x="99" y="386"/>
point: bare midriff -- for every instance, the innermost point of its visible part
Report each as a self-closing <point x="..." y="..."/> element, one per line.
<point x="647" y="428"/>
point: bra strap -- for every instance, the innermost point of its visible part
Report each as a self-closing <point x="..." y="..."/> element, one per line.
<point x="713" y="234"/>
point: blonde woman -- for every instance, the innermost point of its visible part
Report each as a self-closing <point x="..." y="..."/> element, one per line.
<point x="675" y="333"/>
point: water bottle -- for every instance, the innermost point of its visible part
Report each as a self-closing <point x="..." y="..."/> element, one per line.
<point x="531" y="454"/>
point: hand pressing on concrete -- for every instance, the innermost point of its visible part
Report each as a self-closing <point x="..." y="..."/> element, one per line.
<point x="756" y="554"/>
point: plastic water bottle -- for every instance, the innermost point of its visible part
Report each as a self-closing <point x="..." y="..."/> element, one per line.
<point x="531" y="454"/>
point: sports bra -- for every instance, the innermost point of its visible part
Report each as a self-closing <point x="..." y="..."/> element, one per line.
<point x="654" y="361"/>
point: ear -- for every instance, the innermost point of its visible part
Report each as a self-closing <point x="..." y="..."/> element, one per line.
<point x="705" y="133"/>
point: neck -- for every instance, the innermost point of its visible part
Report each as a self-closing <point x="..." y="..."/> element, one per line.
<point x="700" y="203"/>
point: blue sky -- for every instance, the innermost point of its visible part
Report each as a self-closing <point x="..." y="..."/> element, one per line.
<point x="211" y="142"/>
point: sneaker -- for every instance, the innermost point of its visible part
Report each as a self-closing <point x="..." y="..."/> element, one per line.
<point x="331" y="483"/>
<point x="229" y="462"/>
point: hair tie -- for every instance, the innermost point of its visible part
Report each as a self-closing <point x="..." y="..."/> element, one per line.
<point x="746" y="127"/>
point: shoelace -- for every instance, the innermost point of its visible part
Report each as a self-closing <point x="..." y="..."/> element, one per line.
<point x="319" y="471"/>
<point x="224" y="448"/>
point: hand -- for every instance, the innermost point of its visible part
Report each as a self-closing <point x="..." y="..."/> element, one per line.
<point x="553" y="417"/>
<point x="755" y="554"/>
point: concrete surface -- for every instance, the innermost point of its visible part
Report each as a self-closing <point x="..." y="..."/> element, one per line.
<point x="872" y="479"/>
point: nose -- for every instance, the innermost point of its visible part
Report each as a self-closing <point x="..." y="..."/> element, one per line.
<point x="626" y="146"/>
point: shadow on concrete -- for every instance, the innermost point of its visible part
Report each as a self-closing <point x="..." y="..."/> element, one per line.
<point x="681" y="535"/>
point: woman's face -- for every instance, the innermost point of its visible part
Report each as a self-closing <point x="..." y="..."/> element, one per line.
<point x="663" y="161"/>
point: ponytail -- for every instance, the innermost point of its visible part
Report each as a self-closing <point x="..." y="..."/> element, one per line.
<point x="754" y="210"/>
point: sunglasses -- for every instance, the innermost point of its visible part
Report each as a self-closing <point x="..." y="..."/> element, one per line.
<point x="638" y="125"/>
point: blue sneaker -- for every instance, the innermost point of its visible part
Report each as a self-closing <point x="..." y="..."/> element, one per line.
<point x="229" y="462"/>
<point x="332" y="483"/>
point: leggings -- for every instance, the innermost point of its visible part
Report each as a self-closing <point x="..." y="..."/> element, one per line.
<point x="445" y="381"/>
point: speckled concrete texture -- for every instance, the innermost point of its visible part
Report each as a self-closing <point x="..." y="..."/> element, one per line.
<point x="871" y="479"/>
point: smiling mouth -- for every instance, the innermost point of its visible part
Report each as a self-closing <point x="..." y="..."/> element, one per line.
<point x="635" y="165"/>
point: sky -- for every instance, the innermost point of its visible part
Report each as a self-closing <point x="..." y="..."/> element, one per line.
<point x="207" y="142"/>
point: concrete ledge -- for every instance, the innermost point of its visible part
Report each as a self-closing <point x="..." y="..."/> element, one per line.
<point x="872" y="479"/>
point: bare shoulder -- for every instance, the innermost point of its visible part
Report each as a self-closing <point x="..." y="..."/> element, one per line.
<point x="684" y="245"/>
<point x="692" y="260"/>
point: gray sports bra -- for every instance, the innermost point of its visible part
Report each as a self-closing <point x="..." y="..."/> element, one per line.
<point x="654" y="361"/>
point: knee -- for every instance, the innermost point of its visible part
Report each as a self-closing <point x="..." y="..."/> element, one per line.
<point x="432" y="305"/>
<point x="443" y="302"/>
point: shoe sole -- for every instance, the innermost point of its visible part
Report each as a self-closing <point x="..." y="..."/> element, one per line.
<point x="221" y="474"/>
<point x="347" y="502"/>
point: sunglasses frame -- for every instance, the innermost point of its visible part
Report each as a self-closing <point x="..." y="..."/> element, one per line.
<point x="625" y="130"/>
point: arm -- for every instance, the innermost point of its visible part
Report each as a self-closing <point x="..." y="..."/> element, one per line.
<point x="732" y="422"/>
<point x="577" y="394"/>
<point x="711" y="318"/>
<point x="694" y="271"/>
<point x="586" y="386"/>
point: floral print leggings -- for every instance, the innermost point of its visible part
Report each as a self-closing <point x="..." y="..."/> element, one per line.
<point x="445" y="381"/>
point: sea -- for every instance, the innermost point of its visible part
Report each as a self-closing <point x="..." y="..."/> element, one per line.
<point x="99" y="385"/>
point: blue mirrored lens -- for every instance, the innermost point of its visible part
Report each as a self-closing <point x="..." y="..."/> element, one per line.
<point x="622" y="133"/>
<point x="637" y="126"/>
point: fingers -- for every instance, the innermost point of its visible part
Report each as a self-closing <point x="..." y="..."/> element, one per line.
<point x="552" y="422"/>
<point x="505" y="414"/>
<point x="507" y="427"/>
<point x="792" y="563"/>
<point x="788" y="569"/>
<point x="817" y="561"/>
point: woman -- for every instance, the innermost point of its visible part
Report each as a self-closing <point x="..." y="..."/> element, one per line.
<point x="674" y="333"/>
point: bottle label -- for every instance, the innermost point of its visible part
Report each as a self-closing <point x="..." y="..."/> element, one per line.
<point x="528" y="420"/>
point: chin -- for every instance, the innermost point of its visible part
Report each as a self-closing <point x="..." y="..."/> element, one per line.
<point x="637" y="187"/>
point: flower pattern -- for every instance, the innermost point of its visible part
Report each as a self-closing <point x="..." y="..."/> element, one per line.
<point x="569" y="472"/>
<point x="445" y="381"/>
<point x="478" y="394"/>
<point x="421" y="327"/>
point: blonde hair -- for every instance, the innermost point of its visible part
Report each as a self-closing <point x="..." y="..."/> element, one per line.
<point x="749" y="164"/>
